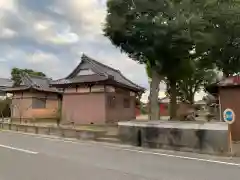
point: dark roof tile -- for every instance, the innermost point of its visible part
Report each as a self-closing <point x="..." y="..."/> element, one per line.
<point x="102" y="72"/>
<point x="80" y="79"/>
<point x="35" y="82"/>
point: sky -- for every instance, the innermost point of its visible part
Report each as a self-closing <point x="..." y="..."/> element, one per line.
<point x="51" y="35"/>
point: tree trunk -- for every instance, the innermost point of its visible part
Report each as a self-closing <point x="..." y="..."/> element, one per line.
<point x="173" y="100"/>
<point x="149" y="101"/>
<point x="191" y="97"/>
<point x="153" y="96"/>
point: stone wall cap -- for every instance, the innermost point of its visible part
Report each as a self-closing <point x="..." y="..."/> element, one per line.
<point x="178" y="125"/>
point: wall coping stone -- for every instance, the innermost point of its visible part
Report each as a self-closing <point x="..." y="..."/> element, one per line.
<point x="178" y="125"/>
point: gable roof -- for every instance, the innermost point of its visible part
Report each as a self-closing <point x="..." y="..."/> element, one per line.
<point x="103" y="73"/>
<point x="33" y="82"/>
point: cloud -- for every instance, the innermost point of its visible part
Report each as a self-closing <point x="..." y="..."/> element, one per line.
<point x="8" y="5"/>
<point x="7" y="33"/>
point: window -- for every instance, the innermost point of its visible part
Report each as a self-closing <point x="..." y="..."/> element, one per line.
<point x="38" y="103"/>
<point x="126" y="103"/>
<point x="111" y="101"/>
<point x="84" y="72"/>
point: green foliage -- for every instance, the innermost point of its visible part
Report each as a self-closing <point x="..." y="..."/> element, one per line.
<point x="197" y="81"/>
<point x="198" y="78"/>
<point x="158" y="33"/>
<point x="162" y="33"/>
<point x="148" y="70"/>
<point x="16" y="74"/>
<point x="143" y="109"/>
<point x="5" y="110"/>
<point x="224" y="21"/>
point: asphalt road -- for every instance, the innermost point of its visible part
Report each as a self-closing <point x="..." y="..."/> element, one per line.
<point x="28" y="157"/>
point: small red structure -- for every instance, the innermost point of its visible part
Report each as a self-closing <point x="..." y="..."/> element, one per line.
<point x="164" y="107"/>
<point x="137" y="111"/>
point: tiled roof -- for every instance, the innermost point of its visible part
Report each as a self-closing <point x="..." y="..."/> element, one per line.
<point x="231" y="81"/>
<point x="19" y="88"/>
<point x="35" y="82"/>
<point x="82" y="79"/>
<point x="103" y="72"/>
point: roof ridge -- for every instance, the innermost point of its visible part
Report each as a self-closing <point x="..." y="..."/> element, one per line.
<point x="118" y="71"/>
<point x="94" y="63"/>
<point x="26" y="79"/>
<point x="89" y="60"/>
<point x="99" y="63"/>
<point x="40" y="77"/>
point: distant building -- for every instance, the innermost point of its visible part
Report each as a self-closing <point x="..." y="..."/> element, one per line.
<point x="164" y="105"/>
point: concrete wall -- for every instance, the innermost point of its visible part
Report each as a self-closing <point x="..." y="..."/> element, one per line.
<point x="211" y="138"/>
<point x="22" y="106"/>
<point x="230" y="98"/>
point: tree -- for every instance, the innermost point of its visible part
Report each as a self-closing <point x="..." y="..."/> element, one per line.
<point x="134" y="36"/>
<point x="16" y="74"/>
<point x="5" y="108"/>
<point x="198" y="78"/>
<point x="19" y="107"/>
<point x="150" y="96"/>
<point x="225" y="28"/>
<point x="159" y="33"/>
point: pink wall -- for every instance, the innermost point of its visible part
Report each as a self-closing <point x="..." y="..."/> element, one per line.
<point x="84" y="108"/>
<point x="81" y="106"/>
<point x="119" y="113"/>
<point x="22" y="106"/>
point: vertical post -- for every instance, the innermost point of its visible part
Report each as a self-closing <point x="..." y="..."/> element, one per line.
<point x="230" y="139"/>
<point x="220" y="109"/>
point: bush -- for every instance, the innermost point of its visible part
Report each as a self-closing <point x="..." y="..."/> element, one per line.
<point x="5" y="110"/>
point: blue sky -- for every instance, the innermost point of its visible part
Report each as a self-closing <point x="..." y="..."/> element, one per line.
<point x="51" y="35"/>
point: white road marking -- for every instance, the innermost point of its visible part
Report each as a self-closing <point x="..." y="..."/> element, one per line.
<point x="18" y="149"/>
<point x="121" y="147"/>
<point x="148" y="152"/>
<point x="184" y="157"/>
